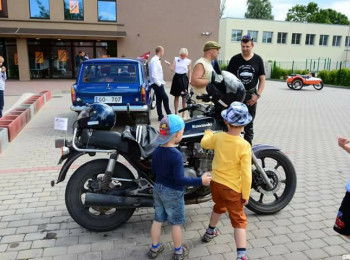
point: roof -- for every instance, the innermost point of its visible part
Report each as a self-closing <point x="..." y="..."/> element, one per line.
<point x="111" y="60"/>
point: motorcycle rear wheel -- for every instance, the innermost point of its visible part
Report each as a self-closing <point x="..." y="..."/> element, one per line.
<point x="297" y="84"/>
<point x="96" y="219"/>
<point x="276" y="199"/>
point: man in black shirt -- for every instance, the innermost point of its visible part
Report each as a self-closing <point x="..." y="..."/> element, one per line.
<point x="249" y="68"/>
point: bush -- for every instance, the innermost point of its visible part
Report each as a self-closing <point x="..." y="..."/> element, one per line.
<point x="336" y="77"/>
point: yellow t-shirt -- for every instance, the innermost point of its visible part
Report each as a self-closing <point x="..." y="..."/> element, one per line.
<point x="232" y="163"/>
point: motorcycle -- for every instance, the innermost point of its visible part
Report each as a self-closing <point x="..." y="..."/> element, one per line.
<point x="103" y="194"/>
<point x="297" y="82"/>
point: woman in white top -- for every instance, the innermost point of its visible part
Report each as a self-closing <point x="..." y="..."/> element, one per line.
<point x="179" y="87"/>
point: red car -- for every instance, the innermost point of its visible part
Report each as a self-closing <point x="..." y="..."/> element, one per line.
<point x="297" y="81"/>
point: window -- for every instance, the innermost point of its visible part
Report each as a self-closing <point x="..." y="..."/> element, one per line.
<point x="123" y="73"/>
<point x="73" y="9"/>
<point x="236" y="35"/>
<point x="296" y="38"/>
<point x="107" y="10"/>
<point x="254" y="35"/>
<point x="39" y="9"/>
<point x="3" y="8"/>
<point x="282" y="37"/>
<point x="323" y="40"/>
<point x="347" y="41"/>
<point x="336" y="40"/>
<point x="267" y="37"/>
<point x="310" y="39"/>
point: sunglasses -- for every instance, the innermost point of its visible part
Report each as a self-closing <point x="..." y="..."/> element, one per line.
<point x="246" y="38"/>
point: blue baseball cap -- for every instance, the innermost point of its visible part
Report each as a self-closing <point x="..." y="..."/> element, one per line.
<point x="169" y="125"/>
<point x="237" y="114"/>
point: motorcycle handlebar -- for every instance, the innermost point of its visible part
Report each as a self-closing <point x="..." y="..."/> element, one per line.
<point x="205" y="98"/>
<point x="189" y="107"/>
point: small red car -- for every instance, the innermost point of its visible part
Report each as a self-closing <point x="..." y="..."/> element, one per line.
<point x="297" y="81"/>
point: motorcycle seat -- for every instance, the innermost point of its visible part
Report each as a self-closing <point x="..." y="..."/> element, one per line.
<point x="144" y="136"/>
<point x="108" y="140"/>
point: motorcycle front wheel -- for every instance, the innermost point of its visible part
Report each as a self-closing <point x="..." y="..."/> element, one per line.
<point x="319" y="86"/>
<point x="83" y="180"/>
<point x="280" y="170"/>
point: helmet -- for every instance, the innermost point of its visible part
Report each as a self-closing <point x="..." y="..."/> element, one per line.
<point x="97" y="116"/>
<point x="225" y="89"/>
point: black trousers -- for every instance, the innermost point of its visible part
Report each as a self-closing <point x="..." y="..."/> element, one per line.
<point x="248" y="129"/>
<point x="1" y="102"/>
<point x="161" y="97"/>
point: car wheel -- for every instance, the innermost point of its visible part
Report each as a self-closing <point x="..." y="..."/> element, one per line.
<point x="297" y="84"/>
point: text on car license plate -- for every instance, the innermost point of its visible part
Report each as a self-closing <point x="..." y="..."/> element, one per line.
<point x="108" y="99"/>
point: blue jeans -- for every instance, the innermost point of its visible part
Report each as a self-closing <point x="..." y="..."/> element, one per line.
<point x="161" y="96"/>
<point x="169" y="205"/>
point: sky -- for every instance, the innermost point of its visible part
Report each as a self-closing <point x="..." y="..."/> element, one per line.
<point x="237" y="8"/>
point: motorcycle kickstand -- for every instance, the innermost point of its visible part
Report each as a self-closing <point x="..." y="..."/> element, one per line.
<point x="261" y="171"/>
<point x="107" y="178"/>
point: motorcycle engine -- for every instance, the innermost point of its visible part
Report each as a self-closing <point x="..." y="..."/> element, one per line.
<point x="196" y="160"/>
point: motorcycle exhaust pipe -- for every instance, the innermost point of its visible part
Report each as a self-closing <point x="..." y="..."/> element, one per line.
<point x="110" y="201"/>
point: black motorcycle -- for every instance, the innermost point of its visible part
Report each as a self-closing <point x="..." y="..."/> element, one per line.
<point x="102" y="194"/>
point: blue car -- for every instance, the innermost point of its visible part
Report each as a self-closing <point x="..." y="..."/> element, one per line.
<point x="118" y="82"/>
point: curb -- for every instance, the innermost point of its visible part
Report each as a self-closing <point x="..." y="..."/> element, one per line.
<point x="13" y="122"/>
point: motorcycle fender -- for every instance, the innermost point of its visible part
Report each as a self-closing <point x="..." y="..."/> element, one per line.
<point x="260" y="147"/>
<point x="71" y="157"/>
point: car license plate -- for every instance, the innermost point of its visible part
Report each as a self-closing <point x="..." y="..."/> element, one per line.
<point x="108" y="99"/>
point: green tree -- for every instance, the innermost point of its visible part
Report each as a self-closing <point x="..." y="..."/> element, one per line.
<point x="259" y="9"/>
<point x="311" y="13"/>
<point x="302" y="13"/>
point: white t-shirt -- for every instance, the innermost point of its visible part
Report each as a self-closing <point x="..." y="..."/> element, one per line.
<point x="156" y="71"/>
<point x="181" y="65"/>
<point x="3" y="78"/>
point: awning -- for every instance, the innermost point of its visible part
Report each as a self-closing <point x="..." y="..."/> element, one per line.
<point x="60" y="33"/>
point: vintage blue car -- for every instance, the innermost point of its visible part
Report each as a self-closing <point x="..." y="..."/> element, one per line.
<point x="118" y="82"/>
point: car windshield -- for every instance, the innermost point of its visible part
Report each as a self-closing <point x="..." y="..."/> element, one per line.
<point x="123" y="73"/>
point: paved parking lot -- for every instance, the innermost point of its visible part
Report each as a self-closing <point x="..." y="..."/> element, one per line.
<point x="35" y="224"/>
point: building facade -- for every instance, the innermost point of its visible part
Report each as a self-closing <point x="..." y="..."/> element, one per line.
<point x="42" y="38"/>
<point x="291" y="44"/>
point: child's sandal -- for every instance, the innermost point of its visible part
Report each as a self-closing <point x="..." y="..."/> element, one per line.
<point x="181" y="256"/>
<point x="153" y="253"/>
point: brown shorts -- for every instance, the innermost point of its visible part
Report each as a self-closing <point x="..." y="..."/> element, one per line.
<point x="226" y="199"/>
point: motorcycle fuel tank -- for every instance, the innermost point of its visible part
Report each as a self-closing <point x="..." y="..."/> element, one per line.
<point x="196" y="127"/>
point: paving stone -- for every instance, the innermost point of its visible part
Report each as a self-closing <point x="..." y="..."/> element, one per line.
<point x="260" y="242"/>
<point x="297" y="246"/>
<point x="257" y="253"/>
<point x="335" y="250"/>
<point x="113" y="254"/>
<point x="76" y="249"/>
<point x="277" y="250"/>
<point x="54" y="251"/>
<point x="32" y="253"/>
<point x="218" y="248"/>
<point x="316" y="254"/>
<point x="12" y="238"/>
<point x="19" y="246"/>
<point x="8" y="255"/>
<point x="280" y="239"/>
<point x="44" y="243"/>
<point x="65" y="257"/>
<point x="295" y="256"/>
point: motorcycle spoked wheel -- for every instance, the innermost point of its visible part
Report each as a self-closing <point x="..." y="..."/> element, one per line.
<point x="297" y="84"/>
<point x="281" y="171"/>
<point x="318" y="86"/>
<point x="290" y="85"/>
<point x="96" y="218"/>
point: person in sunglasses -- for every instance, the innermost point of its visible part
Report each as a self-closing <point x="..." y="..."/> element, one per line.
<point x="249" y="68"/>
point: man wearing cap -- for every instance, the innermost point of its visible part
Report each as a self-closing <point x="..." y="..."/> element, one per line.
<point x="249" y="68"/>
<point x="203" y="67"/>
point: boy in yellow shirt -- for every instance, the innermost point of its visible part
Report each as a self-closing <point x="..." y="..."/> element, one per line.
<point x="231" y="174"/>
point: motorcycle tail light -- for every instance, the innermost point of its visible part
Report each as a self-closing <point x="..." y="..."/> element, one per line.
<point x="73" y="94"/>
<point x="143" y="95"/>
